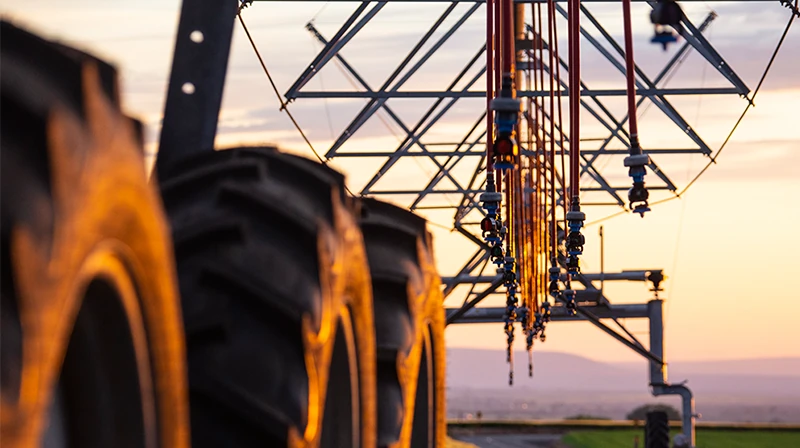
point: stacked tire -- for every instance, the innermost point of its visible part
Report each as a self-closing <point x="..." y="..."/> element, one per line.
<point x="409" y="321"/>
<point x="276" y="299"/>
<point x="252" y="304"/>
<point x="92" y="346"/>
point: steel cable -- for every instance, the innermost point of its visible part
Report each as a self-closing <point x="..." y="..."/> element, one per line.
<point x="284" y="105"/>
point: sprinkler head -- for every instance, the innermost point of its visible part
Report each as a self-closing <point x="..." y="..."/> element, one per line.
<point x="638" y="196"/>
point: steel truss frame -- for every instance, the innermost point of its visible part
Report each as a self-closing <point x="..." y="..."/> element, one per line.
<point x="416" y="144"/>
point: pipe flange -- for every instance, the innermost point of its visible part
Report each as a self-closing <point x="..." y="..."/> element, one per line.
<point x="637" y="160"/>
<point x="501" y="104"/>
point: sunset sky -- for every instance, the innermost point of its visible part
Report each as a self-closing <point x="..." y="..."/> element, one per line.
<point x="730" y="246"/>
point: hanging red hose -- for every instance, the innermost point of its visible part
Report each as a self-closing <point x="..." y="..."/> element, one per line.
<point x="541" y="190"/>
<point x="489" y="89"/>
<point x="508" y="39"/>
<point x="539" y="187"/>
<point x="574" y="9"/>
<point x="534" y="107"/>
<point x="636" y="161"/>
<point x="498" y="43"/>
<point x="552" y="153"/>
<point x="527" y="265"/>
<point x="498" y="71"/>
<point x="560" y="117"/>
<point x="630" y="77"/>
<point x="530" y="218"/>
<point x="509" y="216"/>
<point x="574" y="241"/>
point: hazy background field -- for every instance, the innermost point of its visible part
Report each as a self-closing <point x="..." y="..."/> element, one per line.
<point x="564" y="385"/>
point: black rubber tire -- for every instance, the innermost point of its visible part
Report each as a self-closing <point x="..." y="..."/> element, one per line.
<point x="273" y="280"/>
<point x="656" y="430"/>
<point x="409" y="324"/>
<point x="91" y="350"/>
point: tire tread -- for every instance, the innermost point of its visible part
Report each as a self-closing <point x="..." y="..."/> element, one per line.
<point x="246" y="223"/>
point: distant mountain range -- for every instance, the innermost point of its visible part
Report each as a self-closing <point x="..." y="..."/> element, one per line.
<point x="487" y="369"/>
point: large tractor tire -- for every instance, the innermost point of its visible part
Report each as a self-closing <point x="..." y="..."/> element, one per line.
<point x="277" y="302"/>
<point x="656" y="430"/>
<point x="92" y="342"/>
<point x="409" y="325"/>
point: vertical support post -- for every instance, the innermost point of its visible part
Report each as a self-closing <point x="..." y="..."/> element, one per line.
<point x="655" y="310"/>
<point x="196" y="81"/>
<point x="658" y="373"/>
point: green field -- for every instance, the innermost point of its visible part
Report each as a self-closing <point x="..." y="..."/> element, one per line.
<point x="624" y="438"/>
<point x="451" y="443"/>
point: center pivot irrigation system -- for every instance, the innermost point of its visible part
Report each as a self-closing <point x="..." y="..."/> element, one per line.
<point x="519" y="200"/>
<point x="241" y="298"/>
